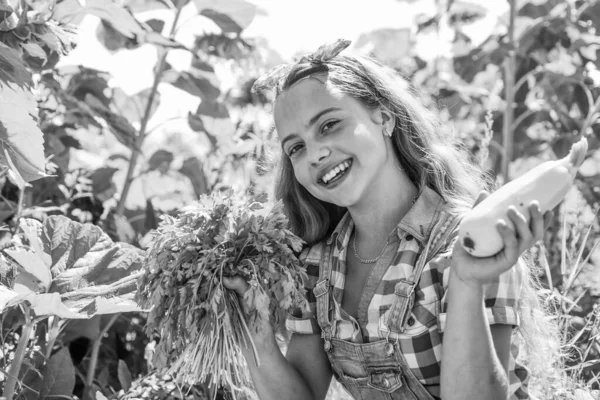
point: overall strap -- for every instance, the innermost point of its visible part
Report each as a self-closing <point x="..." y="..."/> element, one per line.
<point x="322" y="293"/>
<point x="405" y="289"/>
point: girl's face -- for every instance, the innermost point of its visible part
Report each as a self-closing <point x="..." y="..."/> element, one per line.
<point x="336" y="145"/>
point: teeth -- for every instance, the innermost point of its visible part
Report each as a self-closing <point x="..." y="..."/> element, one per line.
<point x="335" y="171"/>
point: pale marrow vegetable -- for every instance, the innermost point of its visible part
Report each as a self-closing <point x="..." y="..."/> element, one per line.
<point x="548" y="183"/>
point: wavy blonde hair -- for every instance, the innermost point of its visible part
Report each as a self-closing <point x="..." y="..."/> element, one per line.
<point x="431" y="156"/>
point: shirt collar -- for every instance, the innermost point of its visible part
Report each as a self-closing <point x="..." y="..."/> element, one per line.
<point x="418" y="221"/>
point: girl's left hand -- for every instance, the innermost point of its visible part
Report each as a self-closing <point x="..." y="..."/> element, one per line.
<point x="478" y="271"/>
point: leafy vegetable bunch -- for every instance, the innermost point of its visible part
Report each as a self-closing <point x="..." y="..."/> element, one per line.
<point x="200" y="323"/>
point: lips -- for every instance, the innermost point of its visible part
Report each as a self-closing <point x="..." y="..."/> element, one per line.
<point x="333" y="174"/>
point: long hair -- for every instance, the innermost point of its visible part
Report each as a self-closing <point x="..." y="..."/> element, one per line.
<point x="431" y="156"/>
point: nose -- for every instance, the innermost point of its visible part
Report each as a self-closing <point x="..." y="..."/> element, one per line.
<point x="318" y="153"/>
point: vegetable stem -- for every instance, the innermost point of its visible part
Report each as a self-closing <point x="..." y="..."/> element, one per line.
<point x="15" y="365"/>
<point x="238" y="309"/>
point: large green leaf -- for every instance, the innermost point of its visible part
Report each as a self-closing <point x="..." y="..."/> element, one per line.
<point x="91" y="274"/>
<point x="20" y="137"/>
<point x="232" y="16"/>
<point x="58" y="376"/>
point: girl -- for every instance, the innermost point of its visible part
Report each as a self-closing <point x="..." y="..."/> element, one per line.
<point x="397" y="310"/>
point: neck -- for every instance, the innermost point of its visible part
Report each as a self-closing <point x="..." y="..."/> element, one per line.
<point x="382" y="210"/>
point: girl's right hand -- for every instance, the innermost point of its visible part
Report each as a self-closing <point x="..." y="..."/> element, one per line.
<point x="239" y="287"/>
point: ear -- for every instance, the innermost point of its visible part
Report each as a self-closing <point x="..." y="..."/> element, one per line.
<point x="388" y="120"/>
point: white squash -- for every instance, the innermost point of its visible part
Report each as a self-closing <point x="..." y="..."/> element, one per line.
<point x="548" y="183"/>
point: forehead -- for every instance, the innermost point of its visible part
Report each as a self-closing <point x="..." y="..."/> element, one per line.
<point x="296" y="105"/>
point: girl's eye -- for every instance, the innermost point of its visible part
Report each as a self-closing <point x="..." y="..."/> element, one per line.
<point x="293" y="149"/>
<point x="328" y="126"/>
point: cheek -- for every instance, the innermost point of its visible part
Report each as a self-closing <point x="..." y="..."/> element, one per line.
<point x="301" y="173"/>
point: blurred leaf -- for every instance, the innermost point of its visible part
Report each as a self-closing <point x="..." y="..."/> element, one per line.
<point x="112" y="39"/>
<point x="133" y="107"/>
<point x="151" y="221"/>
<point x="221" y="45"/>
<point x="198" y="64"/>
<point x="7" y="208"/>
<point x="70" y="141"/>
<point x="124" y="375"/>
<point x="192" y="168"/>
<point x="224" y="21"/>
<point x="35" y="50"/>
<point x="89" y="81"/>
<point x="538" y="9"/>
<point x="5" y="11"/>
<point x="232" y="16"/>
<point x="120" y="18"/>
<point x="214" y="109"/>
<point x="119" y="125"/>
<point x="156" y="25"/>
<point x="88" y="328"/>
<point x="160" y="40"/>
<point x="102" y="179"/>
<point x="466" y="12"/>
<point x="194" y="84"/>
<point x="68" y="12"/>
<point x="20" y="136"/>
<point x="159" y="158"/>
<point x="124" y="230"/>
<point x="100" y="396"/>
<point x="59" y="375"/>
<point x="6" y="295"/>
<point x="489" y="52"/>
<point x="137" y="6"/>
<point x="195" y="122"/>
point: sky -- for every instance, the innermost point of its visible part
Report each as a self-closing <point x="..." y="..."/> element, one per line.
<point x="291" y="26"/>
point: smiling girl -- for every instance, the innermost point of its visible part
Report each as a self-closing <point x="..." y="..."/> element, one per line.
<point x="377" y="190"/>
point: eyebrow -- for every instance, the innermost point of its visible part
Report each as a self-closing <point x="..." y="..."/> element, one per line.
<point x="311" y="122"/>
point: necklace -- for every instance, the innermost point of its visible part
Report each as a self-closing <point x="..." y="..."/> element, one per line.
<point x="373" y="260"/>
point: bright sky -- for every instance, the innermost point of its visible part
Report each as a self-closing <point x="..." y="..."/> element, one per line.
<point x="291" y="26"/>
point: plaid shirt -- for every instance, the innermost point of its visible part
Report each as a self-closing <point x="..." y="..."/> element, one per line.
<point x="422" y="351"/>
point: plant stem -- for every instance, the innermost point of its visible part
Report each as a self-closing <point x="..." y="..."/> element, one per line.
<point x="89" y="379"/>
<point x="238" y="308"/>
<point x="509" y="86"/>
<point x="144" y="123"/>
<point x="15" y="365"/>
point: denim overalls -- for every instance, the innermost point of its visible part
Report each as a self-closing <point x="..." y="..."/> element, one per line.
<point x="378" y="370"/>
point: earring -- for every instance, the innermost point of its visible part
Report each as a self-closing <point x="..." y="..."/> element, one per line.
<point x="387" y="133"/>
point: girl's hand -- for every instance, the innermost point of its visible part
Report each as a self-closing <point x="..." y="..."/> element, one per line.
<point x="476" y="271"/>
<point x="239" y="286"/>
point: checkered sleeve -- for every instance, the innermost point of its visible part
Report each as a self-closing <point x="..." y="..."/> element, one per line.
<point x="501" y="295"/>
<point x="300" y="320"/>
